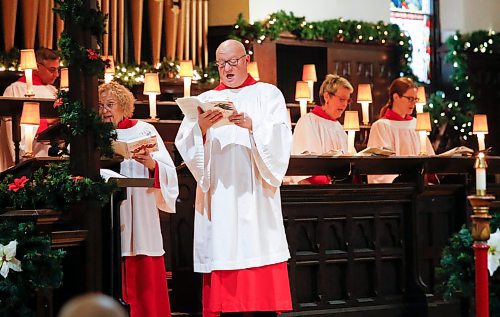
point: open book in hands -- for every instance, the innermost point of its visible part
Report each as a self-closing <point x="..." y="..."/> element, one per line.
<point x="129" y="148"/>
<point x="458" y="151"/>
<point x="189" y="107"/>
<point x="376" y="151"/>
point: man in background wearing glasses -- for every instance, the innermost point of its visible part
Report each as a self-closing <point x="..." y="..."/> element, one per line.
<point x="239" y="240"/>
<point x="43" y="80"/>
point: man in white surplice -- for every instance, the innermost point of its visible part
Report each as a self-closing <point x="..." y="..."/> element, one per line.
<point x="239" y="168"/>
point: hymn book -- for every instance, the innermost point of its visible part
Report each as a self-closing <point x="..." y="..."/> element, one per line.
<point x="129" y="148"/>
<point x="189" y="107"/>
<point x="376" y="151"/>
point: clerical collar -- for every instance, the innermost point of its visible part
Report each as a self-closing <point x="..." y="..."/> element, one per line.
<point x="36" y="80"/>
<point x="248" y="82"/>
<point x="321" y="113"/>
<point x="391" y="115"/>
<point x="126" y="123"/>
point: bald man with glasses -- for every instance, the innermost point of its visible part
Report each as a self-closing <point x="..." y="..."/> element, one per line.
<point x="43" y="80"/>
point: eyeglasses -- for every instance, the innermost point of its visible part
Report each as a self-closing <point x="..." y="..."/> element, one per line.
<point x="230" y="62"/>
<point x="53" y="70"/>
<point x="411" y="99"/>
<point x="107" y="106"/>
<point x="347" y="100"/>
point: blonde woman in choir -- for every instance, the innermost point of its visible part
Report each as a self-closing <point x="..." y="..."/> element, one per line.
<point x="319" y="131"/>
<point x="144" y="284"/>
<point x="396" y="127"/>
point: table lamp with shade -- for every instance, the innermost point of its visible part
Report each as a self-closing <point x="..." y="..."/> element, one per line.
<point x="351" y="125"/>
<point x="309" y="76"/>
<point x="28" y="63"/>
<point x="109" y="72"/>
<point x="30" y="121"/>
<point x="302" y="95"/>
<point x="480" y="128"/>
<point x="423" y="126"/>
<point x="186" y="72"/>
<point x="64" y="81"/>
<point x="253" y="70"/>
<point x="365" y="98"/>
<point x="422" y="100"/>
<point x="152" y="88"/>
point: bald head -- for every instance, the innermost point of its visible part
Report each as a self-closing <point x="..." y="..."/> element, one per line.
<point x="232" y="61"/>
<point x="231" y="46"/>
<point x="92" y="305"/>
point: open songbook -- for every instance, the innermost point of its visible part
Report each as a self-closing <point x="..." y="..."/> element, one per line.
<point x="107" y="174"/>
<point x="376" y="151"/>
<point x="189" y="107"/>
<point x="330" y="153"/>
<point x="458" y="151"/>
<point x="131" y="147"/>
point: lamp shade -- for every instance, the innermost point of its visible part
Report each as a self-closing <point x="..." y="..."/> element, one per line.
<point x="111" y="68"/>
<point x="186" y="68"/>
<point x="253" y="70"/>
<point x="151" y="83"/>
<point x="364" y="92"/>
<point x="480" y="124"/>
<point x="351" y="121"/>
<point x="309" y="73"/>
<point x="302" y="91"/>
<point x="28" y="60"/>
<point x="423" y="122"/>
<point x="421" y="95"/>
<point x="64" y="78"/>
<point x="31" y="113"/>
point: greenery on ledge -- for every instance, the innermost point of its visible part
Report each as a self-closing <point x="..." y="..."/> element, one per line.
<point x="40" y="265"/>
<point x="52" y="187"/>
<point x="336" y="30"/>
<point x="457" y="269"/>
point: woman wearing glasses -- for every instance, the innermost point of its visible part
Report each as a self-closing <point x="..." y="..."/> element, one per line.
<point x="144" y="281"/>
<point x="319" y="131"/>
<point x="396" y="127"/>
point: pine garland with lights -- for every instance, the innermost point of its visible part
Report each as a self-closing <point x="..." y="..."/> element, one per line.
<point x="457" y="269"/>
<point x="10" y="60"/>
<point x="336" y="30"/>
<point x="41" y="269"/>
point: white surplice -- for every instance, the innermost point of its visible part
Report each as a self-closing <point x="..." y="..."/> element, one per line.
<point x="238" y="218"/>
<point x="401" y="137"/>
<point x="18" y="89"/>
<point x="317" y="135"/>
<point x="139" y="216"/>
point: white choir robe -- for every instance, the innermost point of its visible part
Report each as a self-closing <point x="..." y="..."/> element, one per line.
<point x="317" y="135"/>
<point x="139" y="216"/>
<point x="238" y="218"/>
<point x="401" y="137"/>
<point x="18" y="89"/>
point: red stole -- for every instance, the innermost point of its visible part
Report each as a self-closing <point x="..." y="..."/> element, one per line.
<point x="248" y="82"/>
<point x="36" y="80"/>
<point x="317" y="110"/>
<point x="126" y="123"/>
<point x="391" y="115"/>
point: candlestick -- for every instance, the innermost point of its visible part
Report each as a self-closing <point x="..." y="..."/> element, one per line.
<point x="152" y="88"/>
<point x="152" y="106"/>
<point x="423" y="142"/>
<point x="422" y="100"/>
<point x="303" y="107"/>
<point x="480" y="128"/>
<point x="365" y="98"/>
<point x="351" y="125"/>
<point x="186" y="72"/>
<point x="302" y="95"/>
<point x="365" y="106"/>
<point x="28" y="63"/>
<point x="64" y="84"/>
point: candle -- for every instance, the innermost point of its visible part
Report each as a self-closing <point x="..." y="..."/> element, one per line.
<point x="351" y="125"/>
<point x="480" y="166"/>
<point x="186" y="72"/>
<point x="423" y="142"/>
<point x="152" y="88"/>
<point x="302" y="95"/>
<point x="365" y="98"/>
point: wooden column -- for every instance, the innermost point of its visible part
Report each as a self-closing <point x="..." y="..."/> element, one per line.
<point x="105" y="39"/>
<point x="84" y="160"/>
<point x="45" y="23"/>
<point x="59" y="26"/>
<point x="114" y="29"/>
<point x="194" y="19"/>
<point x="121" y="28"/>
<point x="205" y="33"/>
<point x="171" y="27"/>
<point x="9" y="12"/>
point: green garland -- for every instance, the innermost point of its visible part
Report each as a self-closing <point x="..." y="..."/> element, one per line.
<point x="459" y="110"/>
<point x="10" y="60"/>
<point x="457" y="269"/>
<point x="74" y="115"/>
<point x="336" y="30"/>
<point x="52" y="187"/>
<point x="130" y="74"/>
<point x="79" y="119"/>
<point x="41" y="269"/>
